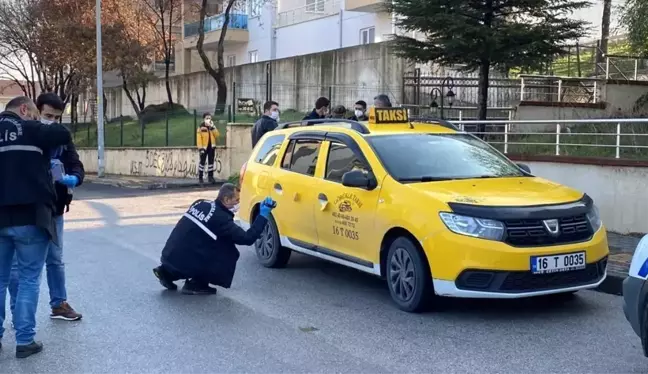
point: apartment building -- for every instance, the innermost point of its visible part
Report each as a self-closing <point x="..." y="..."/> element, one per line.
<point x="261" y="30"/>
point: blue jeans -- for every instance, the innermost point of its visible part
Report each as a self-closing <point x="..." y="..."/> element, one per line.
<point x="55" y="271"/>
<point x="29" y="244"/>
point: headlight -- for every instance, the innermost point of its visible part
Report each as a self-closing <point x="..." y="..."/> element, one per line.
<point x="594" y="218"/>
<point x="475" y="227"/>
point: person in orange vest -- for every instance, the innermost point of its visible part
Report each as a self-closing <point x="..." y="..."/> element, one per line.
<point x="206" y="138"/>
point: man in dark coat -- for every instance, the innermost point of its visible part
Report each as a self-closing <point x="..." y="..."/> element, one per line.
<point x="202" y="247"/>
<point x="51" y="109"/>
<point x="267" y="122"/>
<point x="320" y="111"/>
<point x="27" y="205"/>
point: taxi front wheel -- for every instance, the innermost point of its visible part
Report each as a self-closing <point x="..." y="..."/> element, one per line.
<point x="268" y="247"/>
<point x="408" y="276"/>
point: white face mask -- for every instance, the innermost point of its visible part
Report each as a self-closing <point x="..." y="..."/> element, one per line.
<point x="274" y="115"/>
<point x="359" y="113"/>
<point x="235" y="208"/>
<point x="46" y="121"/>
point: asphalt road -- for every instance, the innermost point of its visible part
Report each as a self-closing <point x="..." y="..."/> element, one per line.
<point x="312" y="317"/>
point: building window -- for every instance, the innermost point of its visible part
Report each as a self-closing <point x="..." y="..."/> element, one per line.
<point x="231" y="61"/>
<point x="255" y="7"/>
<point x="315" y="6"/>
<point x="253" y="56"/>
<point x="368" y="35"/>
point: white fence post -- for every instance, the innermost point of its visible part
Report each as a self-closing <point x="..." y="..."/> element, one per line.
<point x="618" y="141"/>
<point x="522" y="89"/>
<point x="607" y="68"/>
<point x="506" y="131"/>
<point x="636" y="68"/>
<point x="559" y="88"/>
<point x="558" y="139"/>
<point x="461" y="127"/>
<point x="595" y="98"/>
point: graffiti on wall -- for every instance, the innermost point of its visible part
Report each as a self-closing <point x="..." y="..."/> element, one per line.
<point x="163" y="164"/>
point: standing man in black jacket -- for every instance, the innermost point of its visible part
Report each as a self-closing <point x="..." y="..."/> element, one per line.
<point x="27" y="205"/>
<point x="202" y="247"/>
<point x="267" y="122"/>
<point x="51" y="109"/>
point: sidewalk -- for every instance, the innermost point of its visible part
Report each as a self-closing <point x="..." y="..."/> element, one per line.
<point x="146" y="183"/>
<point x="621" y="246"/>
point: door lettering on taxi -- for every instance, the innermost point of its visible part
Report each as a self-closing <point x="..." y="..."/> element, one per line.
<point x="344" y="219"/>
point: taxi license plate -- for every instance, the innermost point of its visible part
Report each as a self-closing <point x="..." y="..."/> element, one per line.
<point x="558" y="263"/>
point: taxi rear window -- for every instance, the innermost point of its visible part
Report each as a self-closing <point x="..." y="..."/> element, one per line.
<point x="432" y="157"/>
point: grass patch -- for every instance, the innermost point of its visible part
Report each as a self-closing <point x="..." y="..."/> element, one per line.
<point x="127" y="132"/>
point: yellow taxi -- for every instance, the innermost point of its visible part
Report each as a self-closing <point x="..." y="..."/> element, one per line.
<point x="433" y="210"/>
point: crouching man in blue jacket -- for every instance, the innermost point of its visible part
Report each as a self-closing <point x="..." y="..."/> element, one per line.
<point x="202" y="247"/>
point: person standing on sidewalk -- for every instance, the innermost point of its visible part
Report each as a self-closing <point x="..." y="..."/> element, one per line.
<point x="268" y="121"/>
<point x="206" y="138"/>
<point x="51" y="108"/>
<point x="27" y="205"/>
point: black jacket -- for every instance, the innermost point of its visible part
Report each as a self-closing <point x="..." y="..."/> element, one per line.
<point x="73" y="166"/>
<point x="360" y="119"/>
<point x="203" y="243"/>
<point x="313" y="115"/>
<point x="27" y="195"/>
<point x="261" y="126"/>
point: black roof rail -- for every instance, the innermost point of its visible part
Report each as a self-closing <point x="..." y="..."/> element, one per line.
<point x="347" y="123"/>
<point x="430" y="119"/>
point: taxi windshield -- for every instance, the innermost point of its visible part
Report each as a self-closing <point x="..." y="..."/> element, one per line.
<point x="437" y="157"/>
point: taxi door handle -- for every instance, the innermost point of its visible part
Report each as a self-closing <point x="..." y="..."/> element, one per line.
<point x="322" y="198"/>
<point x="278" y="188"/>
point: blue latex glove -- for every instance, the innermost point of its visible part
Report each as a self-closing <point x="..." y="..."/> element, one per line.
<point x="266" y="207"/>
<point x="70" y="181"/>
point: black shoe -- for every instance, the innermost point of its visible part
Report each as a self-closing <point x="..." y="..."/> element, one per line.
<point x="212" y="180"/>
<point x="24" y="351"/>
<point x="201" y="180"/>
<point x="192" y="287"/>
<point x="164" y="281"/>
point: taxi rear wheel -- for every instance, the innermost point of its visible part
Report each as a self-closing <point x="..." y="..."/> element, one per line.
<point x="408" y="276"/>
<point x="269" y="250"/>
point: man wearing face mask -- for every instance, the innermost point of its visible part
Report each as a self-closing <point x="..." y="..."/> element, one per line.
<point x="202" y="247"/>
<point x="360" y="110"/>
<point x="321" y="110"/>
<point x="51" y="107"/>
<point x="27" y="206"/>
<point x="267" y="122"/>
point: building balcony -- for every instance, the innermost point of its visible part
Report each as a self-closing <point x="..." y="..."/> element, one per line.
<point x="369" y="6"/>
<point x="314" y="9"/>
<point x="237" y="31"/>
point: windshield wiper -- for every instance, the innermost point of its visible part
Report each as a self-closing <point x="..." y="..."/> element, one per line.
<point x="426" y="178"/>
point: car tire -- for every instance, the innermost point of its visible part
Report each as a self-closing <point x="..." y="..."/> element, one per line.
<point x="408" y="276"/>
<point x="644" y="329"/>
<point x="269" y="250"/>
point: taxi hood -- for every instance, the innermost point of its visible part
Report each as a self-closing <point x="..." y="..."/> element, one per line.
<point x="506" y="191"/>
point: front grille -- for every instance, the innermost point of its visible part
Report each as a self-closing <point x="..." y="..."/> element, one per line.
<point x="526" y="281"/>
<point x="532" y="233"/>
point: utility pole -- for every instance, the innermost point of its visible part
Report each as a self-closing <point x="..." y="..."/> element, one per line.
<point x="100" y="107"/>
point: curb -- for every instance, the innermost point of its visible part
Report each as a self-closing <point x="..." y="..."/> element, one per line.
<point x="150" y="185"/>
<point x="613" y="284"/>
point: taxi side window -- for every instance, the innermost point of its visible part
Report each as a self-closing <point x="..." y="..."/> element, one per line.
<point x="341" y="160"/>
<point x="301" y="156"/>
<point x="270" y="150"/>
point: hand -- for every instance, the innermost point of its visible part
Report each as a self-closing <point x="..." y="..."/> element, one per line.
<point x="266" y="206"/>
<point x="70" y="181"/>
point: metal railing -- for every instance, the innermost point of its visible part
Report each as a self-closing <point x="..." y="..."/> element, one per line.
<point x="614" y="137"/>
<point x="312" y="10"/>
<point x="237" y="21"/>
<point x="548" y="88"/>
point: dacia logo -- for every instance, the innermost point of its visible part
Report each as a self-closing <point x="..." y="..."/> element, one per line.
<point x="345" y="206"/>
<point x="552" y="226"/>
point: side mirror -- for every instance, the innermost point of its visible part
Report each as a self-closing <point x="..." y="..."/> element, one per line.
<point x="525" y="168"/>
<point x="359" y="179"/>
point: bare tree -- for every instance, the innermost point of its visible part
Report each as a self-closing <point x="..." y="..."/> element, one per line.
<point x="218" y="72"/>
<point x="165" y="15"/>
<point x="605" y="33"/>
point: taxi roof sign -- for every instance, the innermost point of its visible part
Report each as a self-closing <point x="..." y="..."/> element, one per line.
<point x="388" y="115"/>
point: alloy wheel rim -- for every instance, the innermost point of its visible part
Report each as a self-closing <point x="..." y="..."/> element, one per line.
<point x="401" y="275"/>
<point x="265" y="244"/>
